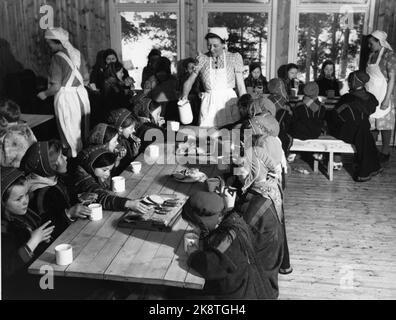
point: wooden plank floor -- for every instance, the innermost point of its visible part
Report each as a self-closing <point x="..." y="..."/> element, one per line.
<point x="341" y="235"/>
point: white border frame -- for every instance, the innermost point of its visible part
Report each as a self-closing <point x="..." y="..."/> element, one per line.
<point x="297" y="7"/>
<point x="271" y="7"/>
<point x="115" y="8"/>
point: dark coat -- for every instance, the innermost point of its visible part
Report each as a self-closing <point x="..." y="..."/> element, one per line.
<point x="228" y="263"/>
<point x="85" y="180"/>
<point x="260" y="214"/>
<point x="115" y="95"/>
<point x="15" y="254"/>
<point x="349" y="121"/>
<point x="307" y="124"/>
<point x="328" y="84"/>
<point x="51" y="203"/>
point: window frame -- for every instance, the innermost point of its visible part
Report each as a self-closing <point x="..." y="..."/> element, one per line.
<point x="271" y="6"/>
<point x="297" y="8"/>
<point x="116" y="8"/>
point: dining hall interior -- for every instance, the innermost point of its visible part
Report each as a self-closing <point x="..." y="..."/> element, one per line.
<point x="198" y="149"/>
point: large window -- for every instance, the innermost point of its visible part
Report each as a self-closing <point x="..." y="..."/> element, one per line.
<point x="328" y="30"/>
<point x="249" y="26"/>
<point x="141" y="25"/>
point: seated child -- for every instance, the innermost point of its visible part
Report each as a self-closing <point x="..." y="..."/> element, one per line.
<point x="284" y="113"/>
<point x="23" y="235"/>
<point x="51" y="195"/>
<point x="93" y="174"/>
<point x="107" y="135"/>
<point x="15" y="136"/>
<point x="308" y="115"/>
<point x="225" y="256"/>
<point x="126" y="123"/>
<point x="349" y="121"/>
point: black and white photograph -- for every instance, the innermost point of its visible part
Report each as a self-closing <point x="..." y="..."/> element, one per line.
<point x="196" y="156"/>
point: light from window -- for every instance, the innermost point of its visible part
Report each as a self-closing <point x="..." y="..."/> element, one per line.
<point x="322" y="37"/>
<point x="143" y="31"/>
<point x="248" y="34"/>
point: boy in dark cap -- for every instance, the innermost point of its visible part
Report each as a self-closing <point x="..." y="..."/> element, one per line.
<point x="308" y="115"/>
<point x="226" y="259"/>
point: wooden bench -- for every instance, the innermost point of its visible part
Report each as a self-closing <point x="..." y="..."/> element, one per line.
<point x="323" y="144"/>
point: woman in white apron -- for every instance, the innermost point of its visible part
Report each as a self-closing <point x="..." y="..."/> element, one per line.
<point x="72" y="107"/>
<point x="220" y="71"/>
<point x="381" y="68"/>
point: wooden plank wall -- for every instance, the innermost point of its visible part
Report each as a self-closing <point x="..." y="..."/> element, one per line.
<point x="86" y="20"/>
<point x="385" y="19"/>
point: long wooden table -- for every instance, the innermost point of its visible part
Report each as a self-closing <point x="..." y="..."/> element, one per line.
<point x="102" y="250"/>
<point x="34" y="120"/>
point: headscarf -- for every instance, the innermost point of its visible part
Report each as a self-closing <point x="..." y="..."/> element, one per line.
<point x="8" y="177"/>
<point x="263" y="162"/>
<point x="277" y="86"/>
<point x="263" y="104"/>
<point x="87" y="157"/>
<point x="381" y="36"/>
<point x="278" y="94"/>
<point x="202" y="204"/>
<point x="249" y="107"/>
<point x="264" y="125"/>
<point x="220" y="32"/>
<point x="63" y="36"/>
<point x="117" y="117"/>
<point x="39" y="160"/>
<point x="97" y="135"/>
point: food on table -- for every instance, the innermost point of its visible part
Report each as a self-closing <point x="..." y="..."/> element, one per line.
<point x="156" y="199"/>
<point x="190" y="148"/>
<point x="190" y="175"/>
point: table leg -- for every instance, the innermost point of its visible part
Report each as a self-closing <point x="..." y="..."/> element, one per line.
<point x="331" y="166"/>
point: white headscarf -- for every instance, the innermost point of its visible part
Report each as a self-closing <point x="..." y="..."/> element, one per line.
<point x="382" y="36"/>
<point x="63" y="36"/>
<point x="221" y="32"/>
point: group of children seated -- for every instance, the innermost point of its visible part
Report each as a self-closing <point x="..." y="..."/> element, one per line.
<point x="242" y="250"/>
<point x="41" y="187"/>
<point x="307" y="118"/>
<point x="43" y="192"/>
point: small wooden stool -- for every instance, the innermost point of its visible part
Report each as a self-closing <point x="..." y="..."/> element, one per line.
<point x="323" y="144"/>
